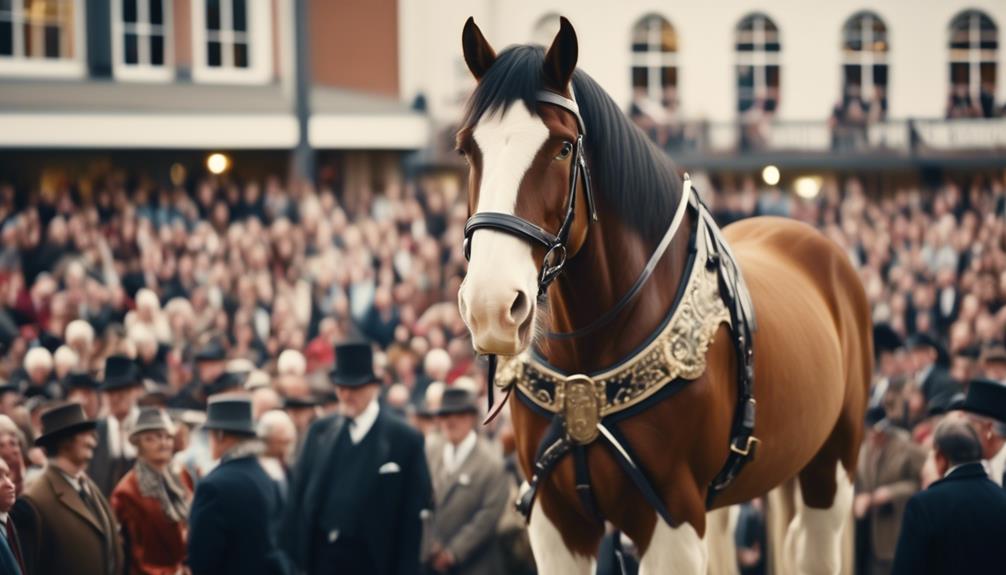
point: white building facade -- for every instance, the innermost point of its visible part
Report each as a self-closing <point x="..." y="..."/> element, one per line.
<point x="800" y="56"/>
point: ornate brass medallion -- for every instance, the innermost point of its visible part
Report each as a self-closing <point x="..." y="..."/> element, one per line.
<point x="581" y="408"/>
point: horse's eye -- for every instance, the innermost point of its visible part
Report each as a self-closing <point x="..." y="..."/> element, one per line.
<point x="566" y="150"/>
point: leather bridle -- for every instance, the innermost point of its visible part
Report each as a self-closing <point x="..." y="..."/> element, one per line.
<point x="555" y="245"/>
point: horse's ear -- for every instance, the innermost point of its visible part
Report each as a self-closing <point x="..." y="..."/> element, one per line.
<point x="560" y="61"/>
<point x="479" y="55"/>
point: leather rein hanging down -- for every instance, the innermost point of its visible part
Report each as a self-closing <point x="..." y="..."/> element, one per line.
<point x="555" y="245"/>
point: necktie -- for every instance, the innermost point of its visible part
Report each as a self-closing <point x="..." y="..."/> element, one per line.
<point x="86" y="498"/>
<point x="13" y="544"/>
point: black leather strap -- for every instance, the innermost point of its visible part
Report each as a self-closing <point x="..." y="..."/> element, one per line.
<point x="623" y="455"/>
<point x="582" y="474"/>
<point x="509" y="224"/>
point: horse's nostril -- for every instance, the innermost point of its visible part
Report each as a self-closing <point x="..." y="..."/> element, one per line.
<point x="519" y="308"/>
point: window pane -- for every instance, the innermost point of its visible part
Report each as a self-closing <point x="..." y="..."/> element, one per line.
<point x="772" y="76"/>
<point x="745" y="77"/>
<point x="959" y="73"/>
<point x="30" y="49"/>
<point x="639" y="77"/>
<point x="157" y="50"/>
<point x="5" y="5"/>
<point x="853" y="75"/>
<point x="213" y="15"/>
<point x="132" y="50"/>
<point x="213" y="54"/>
<point x="129" y="11"/>
<point x="988" y="73"/>
<point x="240" y="55"/>
<point x="6" y="38"/>
<point x="238" y="16"/>
<point x="52" y="41"/>
<point x="880" y="74"/>
<point x="156" y="11"/>
<point x="669" y="76"/>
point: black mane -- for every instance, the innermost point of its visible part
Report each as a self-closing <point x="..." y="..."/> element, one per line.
<point x="629" y="173"/>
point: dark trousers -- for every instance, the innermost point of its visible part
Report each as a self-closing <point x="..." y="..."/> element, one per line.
<point x="346" y="556"/>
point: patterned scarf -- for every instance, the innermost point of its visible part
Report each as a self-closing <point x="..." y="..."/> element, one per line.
<point x="165" y="488"/>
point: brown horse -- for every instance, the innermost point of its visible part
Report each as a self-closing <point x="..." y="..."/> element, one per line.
<point x="812" y="349"/>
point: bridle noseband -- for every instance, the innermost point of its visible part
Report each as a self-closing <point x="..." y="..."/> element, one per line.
<point x="555" y="245"/>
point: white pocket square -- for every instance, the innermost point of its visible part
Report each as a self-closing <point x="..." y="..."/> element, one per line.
<point x="389" y="467"/>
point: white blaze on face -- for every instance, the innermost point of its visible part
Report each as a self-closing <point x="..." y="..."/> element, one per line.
<point x="497" y="296"/>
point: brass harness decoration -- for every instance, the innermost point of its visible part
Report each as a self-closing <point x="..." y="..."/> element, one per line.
<point x="678" y="351"/>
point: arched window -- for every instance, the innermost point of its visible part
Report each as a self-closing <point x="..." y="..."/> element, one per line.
<point x="545" y="29"/>
<point x="758" y="48"/>
<point x="974" y="45"/>
<point x="654" y="63"/>
<point x="864" y="61"/>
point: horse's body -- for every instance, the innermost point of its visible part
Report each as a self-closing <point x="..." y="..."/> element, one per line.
<point x="812" y="350"/>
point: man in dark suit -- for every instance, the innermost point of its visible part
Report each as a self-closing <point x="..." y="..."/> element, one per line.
<point x="471" y="491"/>
<point x="234" y="521"/>
<point x="932" y="367"/>
<point x="956" y="525"/>
<point x="63" y="522"/>
<point x="10" y="548"/>
<point x="115" y="455"/>
<point x="361" y="484"/>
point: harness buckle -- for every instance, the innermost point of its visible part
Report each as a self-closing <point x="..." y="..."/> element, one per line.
<point x="580" y="407"/>
<point x="749" y="446"/>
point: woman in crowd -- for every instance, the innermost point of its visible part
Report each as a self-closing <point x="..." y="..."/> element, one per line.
<point x="151" y="503"/>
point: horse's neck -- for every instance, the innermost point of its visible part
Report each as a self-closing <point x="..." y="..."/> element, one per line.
<point x="596" y="279"/>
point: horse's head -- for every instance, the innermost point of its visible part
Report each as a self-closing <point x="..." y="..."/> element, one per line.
<point x="525" y="173"/>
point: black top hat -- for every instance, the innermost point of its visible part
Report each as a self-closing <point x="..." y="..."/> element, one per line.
<point x="885" y="339"/>
<point x="986" y="397"/>
<point x="152" y="419"/>
<point x="299" y="402"/>
<point x="63" y="420"/>
<point x="354" y="364"/>
<point x="225" y="382"/>
<point x="230" y="414"/>
<point x="456" y="400"/>
<point x="212" y="351"/>
<point x="929" y="340"/>
<point x="80" y="380"/>
<point x="121" y="372"/>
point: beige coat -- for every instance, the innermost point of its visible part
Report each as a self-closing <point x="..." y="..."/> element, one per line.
<point x="59" y="534"/>
<point x="468" y="506"/>
<point x="897" y="465"/>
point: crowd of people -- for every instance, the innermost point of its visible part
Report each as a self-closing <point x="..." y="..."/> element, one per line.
<point x="168" y="355"/>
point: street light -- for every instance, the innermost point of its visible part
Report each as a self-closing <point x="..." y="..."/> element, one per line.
<point x="217" y="163"/>
<point x="770" y="175"/>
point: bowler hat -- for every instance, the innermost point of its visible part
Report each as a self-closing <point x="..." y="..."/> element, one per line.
<point x="929" y="340"/>
<point x="986" y="397"/>
<point x="354" y="364"/>
<point x="456" y="400"/>
<point x="80" y="380"/>
<point x="230" y="414"/>
<point x="885" y="339"/>
<point x="63" y="420"/>
<point x="226" y="381"/>
<point x="152" y="419"/>
<point x="121" y="372"/>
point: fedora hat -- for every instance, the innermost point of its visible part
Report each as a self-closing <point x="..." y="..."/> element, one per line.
<point x="456" y="400"/>
<point x="354" y="364"/>
<point x="152" y="419"/>
<point x="212" y="351"/>
<point x="121" y="372"/>
<point x="63" y="420"/>
<point x="986" y="397"/>
<point x="230" y="414"/>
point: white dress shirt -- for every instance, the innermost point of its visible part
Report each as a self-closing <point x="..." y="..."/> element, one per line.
<point x="119" y="446"/>
<point x="454" y="457"/>
<point x="361" y="424"/>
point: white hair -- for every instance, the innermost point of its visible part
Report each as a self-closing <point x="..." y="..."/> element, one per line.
<point x="240" y="365"/>
<point x="37" y="357"/>
<point x="147" y="298"/>
<point x="178" y="305"/>
<point x="434" y="392"/>
<point x="79" y="329"/>
<point x="291" y="362"/>
<point x="140" y="334"/>
<point x="273" y="420"/>
<point x="468" y="384"/>
<point x="437" y="363"/>
<point x="66" y="356"/>
<point x="257" y="379"/>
